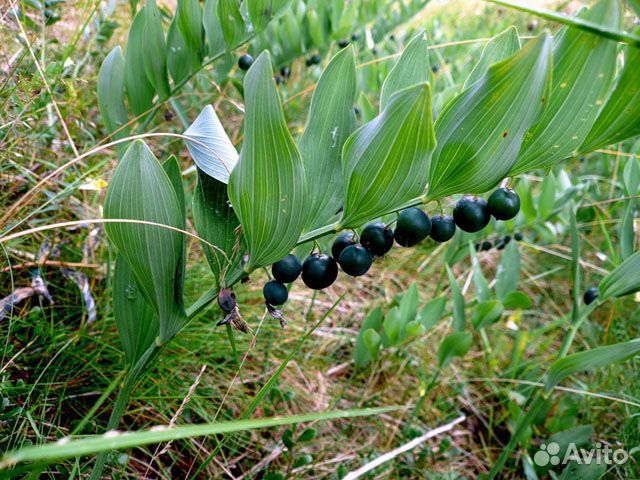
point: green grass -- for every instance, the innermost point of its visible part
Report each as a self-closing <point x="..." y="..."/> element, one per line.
<point x="55" y="367"/>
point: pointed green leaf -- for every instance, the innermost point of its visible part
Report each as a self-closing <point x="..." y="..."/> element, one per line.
<point x="508" y="272"/>
<point x="392" y="326"/>
<point x="180" y="60"/>
<point x="479" y="280"/>
<point x="480" y="132"/>
<point x="584" y="66"/>
<point x="627" y="233"/>
<point x="372" y="340"/>
<point x="141" y="190"/>
<point x="517" y="300"/>
<point x="154" y="50"/>
<point x="111" y="93"/>
<point x="408" y="308"/>
<point x="367" y="110"/>
<point x="595" y="358"/>
<point x="620" y="117"/>
<point x="135" y="318"/>
<point x="385" y="162"/>
<point x="212" y="28"/>
<point x="231" y="22"/>
<point x="262" y="11"/>
<point x="454" y="345"/>
<point x="623" y="280"/>
<point x="486" y="313"/>
<point x="411" y="68"/>
<point x="331" y="120"/>
<point x="631" y="176"/>
<point x="215" y="222"/>
<point x="189" y="15"/>
<point x="210" y="146"/>
<point x="362" y="354"/>
<point x="457" y="299"/>
<point x="267" y="186"/>
<point x="501" y="46"/>
<point x="432" y="312"/>
<point x="140" y="90"/>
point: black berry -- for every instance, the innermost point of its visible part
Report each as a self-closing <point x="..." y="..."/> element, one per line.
<point x="285" y="71"/>
<point x="377" y="238"/>
<point x="443" y="228"/>
<point x="471" y="214"/>
<point x="506" y="239"/>
<point x="227" y="300"/>
<point x="518" y="236"/>
<point x="314" y="59"/>
<point x="319" y="271"/>
<point x="486" y="245"/>
<point x="245" y="62"/>
<point x="590" y="295"/>
<point x="504" y="204"/>
<point x="341" y="242"/>
<point x="412" y="226"/>
<point x="355" y="260"/>
<point x="287" y="269"/>
<point x="275" y="293"/>
<point x="343" y="43"/>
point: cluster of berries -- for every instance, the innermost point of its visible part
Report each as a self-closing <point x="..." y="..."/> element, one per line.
<point x="319" y="271"/>
<point x="499" y="243"/>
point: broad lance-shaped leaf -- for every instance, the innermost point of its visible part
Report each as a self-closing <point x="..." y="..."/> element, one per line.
<point x="140" y="90"/>
<point x="620" y="117"/>
<point x="189" y="15"/>
<point x="212" y="28"/>
<point x="331" y="121"/>
<point x="267" y="186"/>
<point x="154" y="50"/>
<point x="231" y="22"/>
<point x="216" y="222"/>
<point x="411" y="68"/>
<point x="141" y="190"/>
<point x="501" y="46"/>
<point x="623" y="280"/>
<point x="385" y="161"/>
<point x="172" y="169"/>
<point x="111" y="92"/>
<point x="480" y="132"/>
<point x="262" y="11"/>
<point x="595" y="358"/>
<point x="210" y="147"/>
<point x="584" y="66"/>
<point x="454" y="345"/>
<point x="181" y="61"/>
<point x="136" y="319"/>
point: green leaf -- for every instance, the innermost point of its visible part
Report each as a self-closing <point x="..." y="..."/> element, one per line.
<point x="267" y="186"/>
<point x="414" y="329"/>
<point x="141" y="190"/>
<point x="180" y="60"/>
<point x="135" y="318"/>
<point x="584" y="66"/>
<point x="408" y="307"/>
<point x="502" y="46"/>
<point x="307" y="435"/>
<point x="216" y="222"/>
<point x="92" y="444"/>
<point x="367" y="110"/>
<point x="620" y="117"/>
<point x="372" y="340"/>
<point x="331" y="120"/>
<point x="454" y="345"/>
<point x="547" y="198"/>
<point x="479" y="280"/>
<point x="590" y="359"/>
<point x="595" y="28"/>
<point x="635" y="6"/>
<point x="627" y="233"/>
<point x="517" y="300"/>
<point x="362" y="355"/>
<point x="140" y="90"/>
<point x="111" y="93"/>
<point x="487" y="313"/>
<point x="392" y="326"/>
<point x="154" y="51"/>
<point x="432" y="312"/>
<point x="459" y="318"/>
<point x="480" y="132"/>
<point x="411" y="68"/>
<point x="631" y="176"/>
<point x="385" y="162"/>
<point x="210" y="146"/>
<point x="212" y="28"/>
<point x="189" y="15"/>
<point x="172" y="169"/>
<point x="508" y="272"/>
<point x="231" y="22"/>
<point x="623" y="280"/>
<point x="262" y="11"/>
